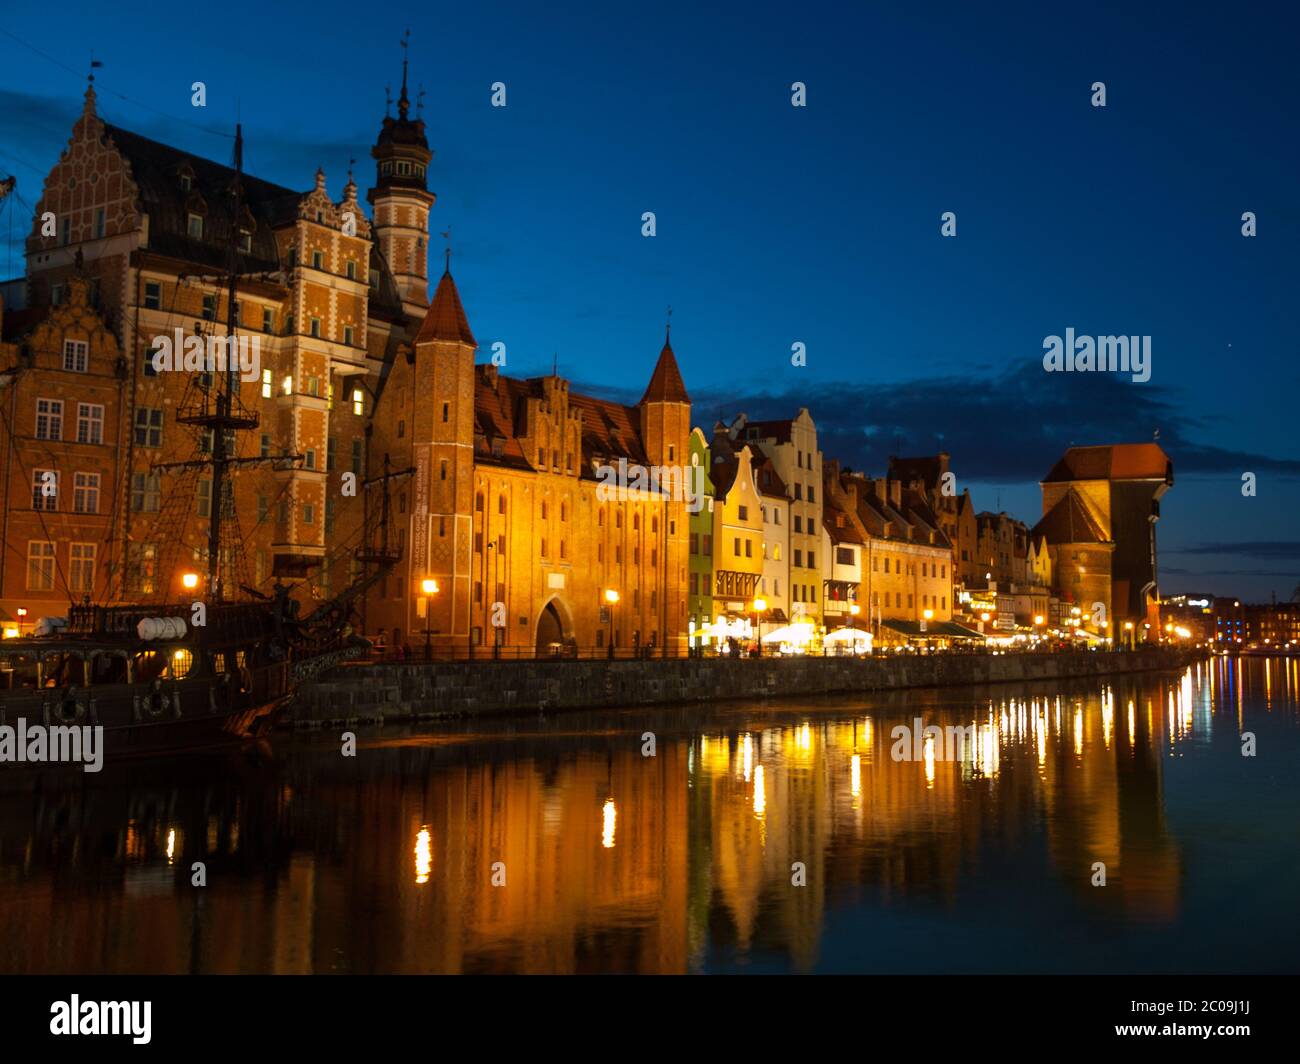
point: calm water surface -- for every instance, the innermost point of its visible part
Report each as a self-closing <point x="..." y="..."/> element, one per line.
<point x="682" y="862"/>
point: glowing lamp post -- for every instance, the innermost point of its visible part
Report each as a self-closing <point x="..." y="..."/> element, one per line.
<point x="760" y="607"/>
<point x="1128" y="627"/>
<point x="611" y="597"/>
<point x="190" y="581"/>
<point x="430" y="588"/>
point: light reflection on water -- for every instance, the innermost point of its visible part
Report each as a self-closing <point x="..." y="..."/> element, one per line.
<point x="555" y="846"/>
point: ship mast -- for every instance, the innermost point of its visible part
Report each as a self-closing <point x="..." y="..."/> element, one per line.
<point x="228" y="388"/>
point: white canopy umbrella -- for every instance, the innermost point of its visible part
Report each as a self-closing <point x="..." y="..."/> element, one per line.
<point x="790" y="633"/>
<point x="856" y="636"/>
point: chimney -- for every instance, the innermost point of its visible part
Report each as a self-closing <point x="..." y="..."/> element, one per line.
<point x="490" y="375"/>
<point x="896" y="493"/>
<point x="882" y="492"/>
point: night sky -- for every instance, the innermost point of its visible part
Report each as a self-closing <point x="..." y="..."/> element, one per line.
<point x="818" y="225"/>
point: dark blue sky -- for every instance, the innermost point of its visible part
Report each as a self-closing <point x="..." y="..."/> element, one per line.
<point x="818" y="225"/>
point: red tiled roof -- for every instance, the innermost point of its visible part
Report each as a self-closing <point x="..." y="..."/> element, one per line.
<point x="1120" y="461"/>
<point x="610" y="430"/>
<point x="666" y="384"/>
<point x="446" y="319"/>
<point x="1069" y="522"/>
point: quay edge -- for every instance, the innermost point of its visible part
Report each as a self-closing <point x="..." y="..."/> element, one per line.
<point x="391" y="692"/>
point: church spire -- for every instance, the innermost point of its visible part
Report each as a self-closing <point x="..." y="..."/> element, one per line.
<point x="666" y="384"/>
<point x="403" y="102"/>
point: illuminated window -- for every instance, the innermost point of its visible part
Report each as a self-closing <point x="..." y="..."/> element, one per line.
<point x="358" y="402"/>
<point x="266" y="384"/>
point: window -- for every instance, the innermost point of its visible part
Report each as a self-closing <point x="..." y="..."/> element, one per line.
<point x="263" y="508"/>
<point x="695" y="543"/>
<point x="67" y="230"/>
<point x="310" y="458"/>
<point x="56" y="294"/>
<point x="81" y="572"/>
<point x="401" y="428"/>
<point x="446" y="413"/>
<point x="358" y="402"/>
<point x="812" y="493"/>
<point x="203" y="494"/>
<point x="308" y="514"/>
<point x="315" y="326"/>
<point x="798" y="559"/>
<point x="85" y="493"/>
<point x="501" y="504"/>
<point x="194" y="226"/>
<point x="737" y="550"/>
<point x="148" y="426"/>
<point x="749" y="548"/>
<point x="74" y="355"/>
<point x="45" y="489"/>
<point x="49" y="419"/>
<point x="268" y="320"/>
<point x="317" y="260"/>
<point x="40" y="566"/>
<point x="798" y="523"/>
<point x="798" y="491"/>
<point x="708" y="546"/>
<point x="152" y="295"/>
<point x="90" y="423"/>
<point x="142" y="561"/>
<point x="695" y="583"/>
<point x="209" y="308"/>
<point x="742" y="512"/>
<point x="246" y="242"/>
<point x="843" y="555"/>
<point x="331" y="454"/>
<point x="348" y="335"/>
<point x="186" y="182"/>
<point x="99" y="224"/>
<point x="329" y="515"/>
<point x="146" y="492"/>
<point x="351" y="270"/>
<point x="266" y="384"/>
<point x="356" y="457"/>
<point x="266" y="445"/>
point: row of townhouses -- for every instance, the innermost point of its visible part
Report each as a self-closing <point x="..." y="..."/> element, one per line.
<point x="367" y="397"/>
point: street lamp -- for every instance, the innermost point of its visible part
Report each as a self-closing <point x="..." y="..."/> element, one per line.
<point x="760" y="607"/>
<point x="190" y="581"/>
<point x="430" y="588"/>
<point x="611" y="596"/>
<point x="1128" y="627"/>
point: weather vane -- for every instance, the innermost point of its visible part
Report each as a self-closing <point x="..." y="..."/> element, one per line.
<point x="446" y="235"/>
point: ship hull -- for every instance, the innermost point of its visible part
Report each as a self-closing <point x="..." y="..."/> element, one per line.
<point x="144" y="720"/>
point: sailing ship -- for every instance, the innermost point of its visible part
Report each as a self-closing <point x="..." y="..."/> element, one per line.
<point x="166" y="677"/>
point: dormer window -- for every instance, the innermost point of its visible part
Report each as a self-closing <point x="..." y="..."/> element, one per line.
<point x="186" y="182"/>
<point x="194" y="226"/>
<point x="246" y="242"/>
<point x="403" y="168"/>
<point x="386" y="168"/>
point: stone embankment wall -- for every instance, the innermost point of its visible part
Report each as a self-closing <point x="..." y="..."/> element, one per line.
<point x="375" y="693"/>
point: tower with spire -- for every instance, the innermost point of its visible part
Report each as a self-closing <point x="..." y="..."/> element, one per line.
<point x="401" y="199"/>
<point x="665" y="410"/>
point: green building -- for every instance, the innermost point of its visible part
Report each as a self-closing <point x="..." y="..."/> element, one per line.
<point x="699" y="597"/>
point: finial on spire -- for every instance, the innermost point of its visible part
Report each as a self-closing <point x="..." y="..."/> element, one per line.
<point x="447" y="237"/>
<point x="668" y="329"/>
<point x="419" y="102"/>
<point x="404" y="104"/>
<point x="90" y="78"/>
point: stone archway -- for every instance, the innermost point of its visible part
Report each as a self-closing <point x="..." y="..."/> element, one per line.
<point x="554" y="630"/>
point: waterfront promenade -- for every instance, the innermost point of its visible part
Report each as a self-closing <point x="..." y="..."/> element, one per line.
<point x="392" y="692"/>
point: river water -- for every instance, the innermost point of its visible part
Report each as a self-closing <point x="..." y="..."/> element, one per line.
<point x="769" y="837"/>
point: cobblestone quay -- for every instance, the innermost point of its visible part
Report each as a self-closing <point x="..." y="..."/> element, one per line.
<point x="376" y="693"/>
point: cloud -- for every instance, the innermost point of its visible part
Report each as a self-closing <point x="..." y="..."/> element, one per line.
<point x="1268" y="550"/>
<point x="1003" y="427"/>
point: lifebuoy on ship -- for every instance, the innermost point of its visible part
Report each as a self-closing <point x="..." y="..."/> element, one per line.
<point x="154" y="705"/>
<point x="66" y="710"/>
